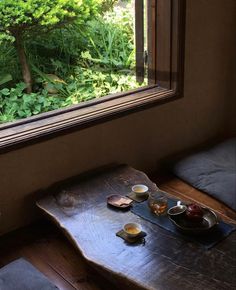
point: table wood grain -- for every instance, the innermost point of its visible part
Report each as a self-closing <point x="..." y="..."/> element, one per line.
<point x="163" y="262"/>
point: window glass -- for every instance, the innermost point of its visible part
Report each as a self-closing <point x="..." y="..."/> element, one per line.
<point x="70" y="64"/>
<point x="55" y="54"/>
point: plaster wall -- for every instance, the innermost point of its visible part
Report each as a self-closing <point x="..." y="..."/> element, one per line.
<point x="201" y="115"/>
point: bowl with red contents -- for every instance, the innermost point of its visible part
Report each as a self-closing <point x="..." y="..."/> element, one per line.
<point x="194" y="213"/>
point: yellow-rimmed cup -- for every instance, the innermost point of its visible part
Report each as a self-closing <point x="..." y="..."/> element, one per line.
<point x="140" y="189"/>
<point x="132" y="230"/>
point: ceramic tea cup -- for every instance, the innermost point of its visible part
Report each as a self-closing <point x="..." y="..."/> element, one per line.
<point x="132" y="230"/>
<point x="140" y="189"/>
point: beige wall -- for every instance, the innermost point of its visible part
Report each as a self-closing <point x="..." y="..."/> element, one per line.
<point x="163" y="130"/>
<point x="229" y="67"/>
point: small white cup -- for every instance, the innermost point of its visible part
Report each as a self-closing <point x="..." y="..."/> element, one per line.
<point x="132" y="230"/>
<point x="140" y="189"/>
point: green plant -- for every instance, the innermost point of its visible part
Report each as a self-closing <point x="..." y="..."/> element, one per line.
<point x="5" y="79"/>
<point x="110" y="41"/>
<point x="20" y="19"/>
<point x="93" y="61"/>
<point x="89" y="83"/>
<point x="16" y="104"/>
<point x="108" y="5"/>
<point x="8" y="61"/>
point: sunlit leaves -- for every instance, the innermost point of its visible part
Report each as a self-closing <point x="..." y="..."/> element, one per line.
<point x="23" y="15"/>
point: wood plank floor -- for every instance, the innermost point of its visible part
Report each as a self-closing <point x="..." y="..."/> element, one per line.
<point x="45" y="247"/>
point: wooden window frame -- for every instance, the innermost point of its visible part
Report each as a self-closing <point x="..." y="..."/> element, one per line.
<point x="166" y="21"/>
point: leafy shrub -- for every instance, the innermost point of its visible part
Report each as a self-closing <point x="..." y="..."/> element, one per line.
<point x="8" y="61"/>
<point x="88" y="83"/>
<point x="16" y="104"/>
<point x="107" y="5"/>
<point x="22" y="19"/>
<point x="93" y="60"/>
<point x="110" y="41"/>
<point x="5" y="78"/>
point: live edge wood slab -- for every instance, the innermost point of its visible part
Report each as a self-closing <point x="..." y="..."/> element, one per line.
<point x="164" y="262"/>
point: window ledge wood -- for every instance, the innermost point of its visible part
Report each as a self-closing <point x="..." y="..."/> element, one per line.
<point x="51" y="124"/>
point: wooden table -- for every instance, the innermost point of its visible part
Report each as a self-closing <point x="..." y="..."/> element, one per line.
<point x="164" y="262"/>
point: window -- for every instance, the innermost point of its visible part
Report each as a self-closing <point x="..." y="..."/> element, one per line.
<point x="159" y="43"/>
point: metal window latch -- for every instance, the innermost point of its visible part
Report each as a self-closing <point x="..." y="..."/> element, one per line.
<point x="145" y="57"/>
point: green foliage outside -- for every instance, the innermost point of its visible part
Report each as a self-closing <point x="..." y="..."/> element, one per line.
<point x="20" y="19"/>
<point x="88" y="57"/>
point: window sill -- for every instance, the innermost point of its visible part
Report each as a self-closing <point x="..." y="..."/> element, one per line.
<point x="59" y="122"/>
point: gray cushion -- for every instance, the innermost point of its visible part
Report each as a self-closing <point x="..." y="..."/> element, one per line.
<point x="213" y="171"/>
<point x="21" y="275"/>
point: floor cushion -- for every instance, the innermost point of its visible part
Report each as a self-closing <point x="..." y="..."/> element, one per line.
<point x="21" y="275"/>
<point x="212" y="170"/>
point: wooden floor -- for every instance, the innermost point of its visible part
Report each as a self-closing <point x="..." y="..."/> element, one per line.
<point x="45" y="247"/>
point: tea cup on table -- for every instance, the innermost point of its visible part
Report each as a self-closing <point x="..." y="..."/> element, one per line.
<point x="132" y="230"/>
<point x="140" y="190"/>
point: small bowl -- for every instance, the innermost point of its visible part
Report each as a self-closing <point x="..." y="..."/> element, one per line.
<point x="177" y="210"/>
<point x="140" y="189"/>
<point x="132" y="230"/>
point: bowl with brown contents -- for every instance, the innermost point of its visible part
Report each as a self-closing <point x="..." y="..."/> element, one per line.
<point x="177" y="210"/>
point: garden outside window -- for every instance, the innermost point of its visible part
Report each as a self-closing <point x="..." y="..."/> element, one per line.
<point x="102" y="74"/>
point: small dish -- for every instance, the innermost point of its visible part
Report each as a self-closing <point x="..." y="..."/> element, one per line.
<point x="177" y="210"/>
<point x="119" y="201"/>
<point x="140" y="189"/>
<point x="182" y="223"/>
<point x="132" y="230"/>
